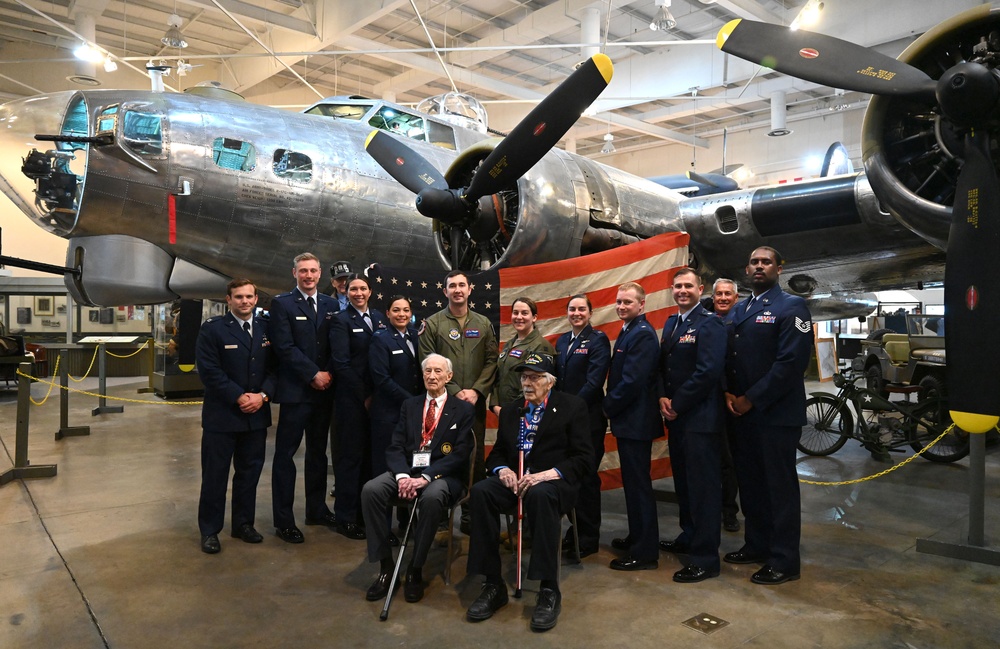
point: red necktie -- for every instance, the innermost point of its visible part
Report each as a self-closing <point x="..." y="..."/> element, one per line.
<point x="429" y="418"/>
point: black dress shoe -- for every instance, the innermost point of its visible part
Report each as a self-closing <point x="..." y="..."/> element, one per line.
<point x="693" y="574"/>
<point x="743" y="556"/>
<point x="584" y="551"/>
<point x="210" y="544"/>
<point x="327" y="519"/>
<point x="546" y="610"/>
<point x="492" y="598"/>
<point x="730" y="523"/>
<point x="413" y="586"/>
<point x="290" y="534"/>
<point x="350" y="530"/>
<point x="619" y="543"/>
<point x="771" y="577"/>
<point x="629" y="564"/>
<point x="380" y="587"/>
<point x="675" y="547"/>
<point x="247" y="533"/>
<point x="393" y="540"/>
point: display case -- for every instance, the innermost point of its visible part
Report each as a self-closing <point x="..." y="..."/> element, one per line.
<point x="175" y="332"/>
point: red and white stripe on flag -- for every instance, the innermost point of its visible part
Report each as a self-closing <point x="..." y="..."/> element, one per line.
<point x="650" y="263"/>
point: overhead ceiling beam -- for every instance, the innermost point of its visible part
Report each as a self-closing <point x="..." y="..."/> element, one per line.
<point x="291" y="23"/>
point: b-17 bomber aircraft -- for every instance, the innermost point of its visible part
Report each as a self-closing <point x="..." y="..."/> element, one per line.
<point x="165" y="195"/>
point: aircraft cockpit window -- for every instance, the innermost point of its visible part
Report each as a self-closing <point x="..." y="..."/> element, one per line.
<point x="340" y="111"/>
<point x="142" y="133"/>
<point x="234" y="154"/>
<point x="294" y="166"/>
<point x="107" y="120"/>
<point x="400" y="123"/>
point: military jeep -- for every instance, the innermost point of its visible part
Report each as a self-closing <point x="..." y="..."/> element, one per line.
<point x="906" y="362"/>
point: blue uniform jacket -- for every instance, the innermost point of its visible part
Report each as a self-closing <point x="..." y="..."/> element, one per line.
<point x="632" y="402"/>
<point x="769" y="351"/>
<point x="300" y="337"/>
<point x="394" y="370"/>
<point x="583" y="369"/>
<point x="350" y="339"/>
<point x="450" y="448"/>
<point x="229" y="364"/>
<point x="692" y="364"/>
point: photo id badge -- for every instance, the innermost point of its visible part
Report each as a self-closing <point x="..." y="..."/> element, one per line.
<point x="421" y="460"/>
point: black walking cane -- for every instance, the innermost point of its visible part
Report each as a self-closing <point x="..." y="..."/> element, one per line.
<point x="520" y="521"/>
<point x="384" y="615"/>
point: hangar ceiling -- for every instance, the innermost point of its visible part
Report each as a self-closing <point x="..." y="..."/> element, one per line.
<point x="670" y="86"/>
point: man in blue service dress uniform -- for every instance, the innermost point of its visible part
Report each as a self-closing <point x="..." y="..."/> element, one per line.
<point x="692" y="362"/>
<point x="235" y="364"/>
<point x="299" y="328"/>
<point x="770" y="342"/>
<point x="632" y="405"/>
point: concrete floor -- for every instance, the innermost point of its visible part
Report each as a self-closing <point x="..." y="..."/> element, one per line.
<point x="106" y="554"/>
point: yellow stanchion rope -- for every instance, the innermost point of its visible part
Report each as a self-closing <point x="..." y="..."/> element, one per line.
<point x="107" y="396"/>
<point x="886" y="471"/>
<point x="87" y="373"/>
<point x="49" y="391"/>
<point x="110" y="353"/>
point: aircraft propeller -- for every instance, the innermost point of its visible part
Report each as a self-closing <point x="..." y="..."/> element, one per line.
<point x="967" y="95"/>
<point x="533" y="137"/>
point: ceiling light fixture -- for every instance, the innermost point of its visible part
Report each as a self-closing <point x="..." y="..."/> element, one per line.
<point x="609" y="143"/>
<point x="110" y="65"/>
<point x="173" y="37"/>
<point x="808" y="16"/>
<point x="663" y="19"/>
<point x="89" y="53"/>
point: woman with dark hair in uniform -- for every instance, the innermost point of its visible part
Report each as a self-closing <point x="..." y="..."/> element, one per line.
<point x="584" y="356"/>
<point x="350" y="338"/>
<point x="507" y="387"/>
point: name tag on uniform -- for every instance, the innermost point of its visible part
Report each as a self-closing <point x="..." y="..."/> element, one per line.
<point x="232" y="347"/>
<point x="301" y="317"/>
<point x="358" y="331"/>
<point x="397" y="351"/>
<point x="421" y="460"/>
<point x="516" y="353"/>
<point x="472" y="333"/>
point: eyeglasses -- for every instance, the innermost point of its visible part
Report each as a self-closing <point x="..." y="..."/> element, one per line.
<point x="531" y="378"/>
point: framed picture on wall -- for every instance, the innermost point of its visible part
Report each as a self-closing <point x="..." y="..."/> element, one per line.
<point x="23" y="315"/>
<point x="107" y="316"/>
<point x="95" y="315"/>
<point x="44" y="305"/>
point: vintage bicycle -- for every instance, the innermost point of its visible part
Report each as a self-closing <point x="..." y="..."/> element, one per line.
<point x="882" y="426"/>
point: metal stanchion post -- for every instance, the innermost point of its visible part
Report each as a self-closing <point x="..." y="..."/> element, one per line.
<point x="65" y="430"/>
<point x="102" y="370"/>
<point x="21" y="468"/>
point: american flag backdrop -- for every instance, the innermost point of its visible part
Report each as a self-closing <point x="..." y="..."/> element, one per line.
<point x="651" y="263"/>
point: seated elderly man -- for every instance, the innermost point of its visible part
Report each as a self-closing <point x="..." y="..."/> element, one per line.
<point x="551" y="428"/>
<point x="428" y="460"/>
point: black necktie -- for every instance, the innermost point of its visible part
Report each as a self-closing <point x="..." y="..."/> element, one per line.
<point x="246" y="328"/>
<point x="311" y="302"/>
<point x="750" y="303"/>
<point x="368" y="321"/>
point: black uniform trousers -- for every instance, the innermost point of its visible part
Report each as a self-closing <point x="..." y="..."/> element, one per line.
<point x="376" y="497"/>
<point x="245" y="451"/>
<point x="730" y="485"/>
<point x="353" y="465"/>
<point x="769" y="490"/>
<point x="696" y="464"/>
<point x="544" y="505"/>
<point x="640" y="505"/>
<point x="588" y="502"/>
<point x="314" y="419"/>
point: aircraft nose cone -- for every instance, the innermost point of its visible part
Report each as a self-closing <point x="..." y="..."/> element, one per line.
<point x="44" y="179"/>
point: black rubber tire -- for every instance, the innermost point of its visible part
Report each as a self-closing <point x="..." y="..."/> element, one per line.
<point x="933" y="406"/>
<point x="878" y="333"/>
<point x="827" y="427"/>
<point x="874" y="380"/>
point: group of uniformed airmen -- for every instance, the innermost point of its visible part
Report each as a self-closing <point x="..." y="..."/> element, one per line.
<point x="739" y="369"/>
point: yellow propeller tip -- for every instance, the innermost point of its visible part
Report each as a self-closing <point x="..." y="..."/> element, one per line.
<point x="604" y="66"/>
<point x="972" y="422"/>
<point x="726" y="30"/>
<point x="370" y="136"/>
